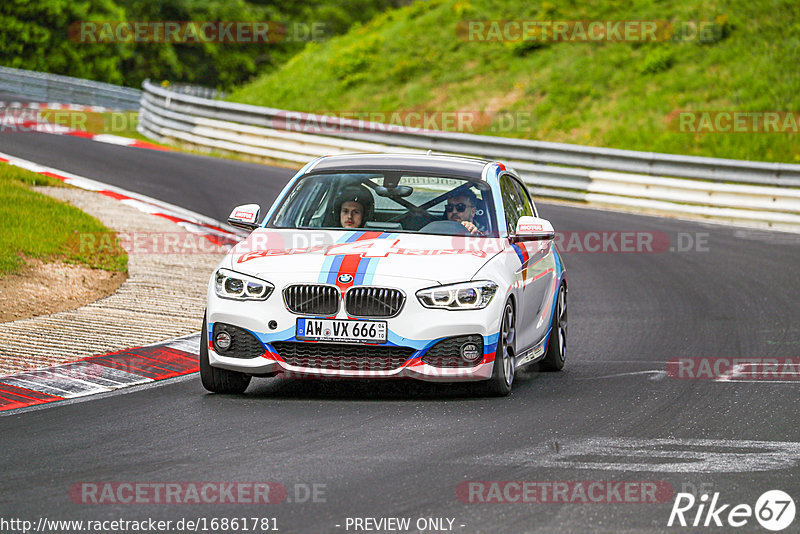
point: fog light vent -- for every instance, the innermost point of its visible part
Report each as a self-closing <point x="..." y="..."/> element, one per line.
<point x="234" y="342"/>
<point x="459" y="351"/>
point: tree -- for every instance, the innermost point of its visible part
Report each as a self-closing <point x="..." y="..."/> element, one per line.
<point x="36" y="36"/>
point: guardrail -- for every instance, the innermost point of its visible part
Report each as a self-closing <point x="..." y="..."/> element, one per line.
<point x="43" y="87"/>
<point x="762" y="194"/>
<point x="197" y="90"/>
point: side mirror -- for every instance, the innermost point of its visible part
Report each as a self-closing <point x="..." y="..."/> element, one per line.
<point x="245" y="216"/>
<point x="531" y="228"/>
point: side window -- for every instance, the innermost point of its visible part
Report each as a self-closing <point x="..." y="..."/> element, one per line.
<point x="525" y="200"/>
<point x="511" y="202"/>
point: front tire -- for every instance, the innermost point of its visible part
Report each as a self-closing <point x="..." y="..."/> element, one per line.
<point x="504" y="365"/>
<point x="557" y="344"/>
<point x="218" y="380"/>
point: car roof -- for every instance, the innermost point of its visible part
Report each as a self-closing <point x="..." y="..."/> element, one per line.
<point x="417" y="163"/>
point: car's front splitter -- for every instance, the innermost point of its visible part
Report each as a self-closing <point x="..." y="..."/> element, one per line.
<point x="271" y="363"/>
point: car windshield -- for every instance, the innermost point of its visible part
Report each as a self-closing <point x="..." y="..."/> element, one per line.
<point x="388" y="201"/>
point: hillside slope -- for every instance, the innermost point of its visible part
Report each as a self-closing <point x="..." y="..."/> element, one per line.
<point x="622" y="94"/>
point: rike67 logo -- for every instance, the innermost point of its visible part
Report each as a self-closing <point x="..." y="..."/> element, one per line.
<point x="774" y="510"/>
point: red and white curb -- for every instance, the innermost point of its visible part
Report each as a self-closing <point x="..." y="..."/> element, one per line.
<point x="59" y="106"/>
<point x="25" y="118"/>
<point x="108" y="372"/>
<point x="130" y="367"/>
<point x="101" y="374"/>
<point x="188" y="220"/>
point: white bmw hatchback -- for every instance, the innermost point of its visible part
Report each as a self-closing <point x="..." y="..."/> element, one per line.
<point x="396" y="266"/>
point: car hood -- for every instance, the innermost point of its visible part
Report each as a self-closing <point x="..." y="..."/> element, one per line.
<point x="323" y="255"/>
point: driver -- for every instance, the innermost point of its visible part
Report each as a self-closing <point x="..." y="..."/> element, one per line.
<point x="462" y="208"/>
<point x="354" y="206"/>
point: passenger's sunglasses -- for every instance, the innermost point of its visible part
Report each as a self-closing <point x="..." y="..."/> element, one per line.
<point x="458" y="207"/>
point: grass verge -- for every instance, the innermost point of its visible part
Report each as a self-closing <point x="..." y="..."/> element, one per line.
<point x="620" y="94"/>
<point x="37" y="226"/>
<point x="121" y="123"/>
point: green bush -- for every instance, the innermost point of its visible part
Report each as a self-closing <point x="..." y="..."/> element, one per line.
<point x="36" y="36"/>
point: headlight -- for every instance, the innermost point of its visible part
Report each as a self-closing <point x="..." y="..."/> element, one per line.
<point x="232" y="285"/>
<point x="464" y="296"/>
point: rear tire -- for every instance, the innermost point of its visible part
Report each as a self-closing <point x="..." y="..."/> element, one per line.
<point x="218" y="380"/>
<point x="557" y="344"/>
<point x="499" y="385"/>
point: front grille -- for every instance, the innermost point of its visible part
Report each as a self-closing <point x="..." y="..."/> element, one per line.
<point x="243" y="343"/>
<point x="366" y="301"/>
<point x="342" y="357"/>
<point x="447" y="353"/>
<point x="312" y="299"/>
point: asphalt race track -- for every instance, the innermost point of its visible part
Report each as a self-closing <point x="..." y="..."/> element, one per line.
<point x="378" y="450"/>
<point x="210" y="186"/>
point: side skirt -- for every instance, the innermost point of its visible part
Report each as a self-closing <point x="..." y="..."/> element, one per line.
<point x="533" y="354"/>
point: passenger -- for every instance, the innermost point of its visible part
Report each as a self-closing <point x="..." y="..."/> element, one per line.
<point x="351" y="214"/>
<point x="354" y="207"/>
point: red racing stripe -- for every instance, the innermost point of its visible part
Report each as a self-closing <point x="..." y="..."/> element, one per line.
<point x="351" y="261"/>
<point x="525" y="256"/>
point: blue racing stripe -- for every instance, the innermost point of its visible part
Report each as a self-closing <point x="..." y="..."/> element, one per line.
<point x="334" y="269"/>
<point x="369" y="273"/>
<point x="370" y="267"/>
<point x="519" y="253"/>
<point x="363" y="267"/>
<point x="490" y="343"/>
<point x="326" y="269"/>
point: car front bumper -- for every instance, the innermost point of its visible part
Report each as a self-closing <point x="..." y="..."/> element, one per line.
<point x="416" y="328"/>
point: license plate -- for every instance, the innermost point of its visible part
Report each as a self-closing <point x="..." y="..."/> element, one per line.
<point x="341" y="330"/>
